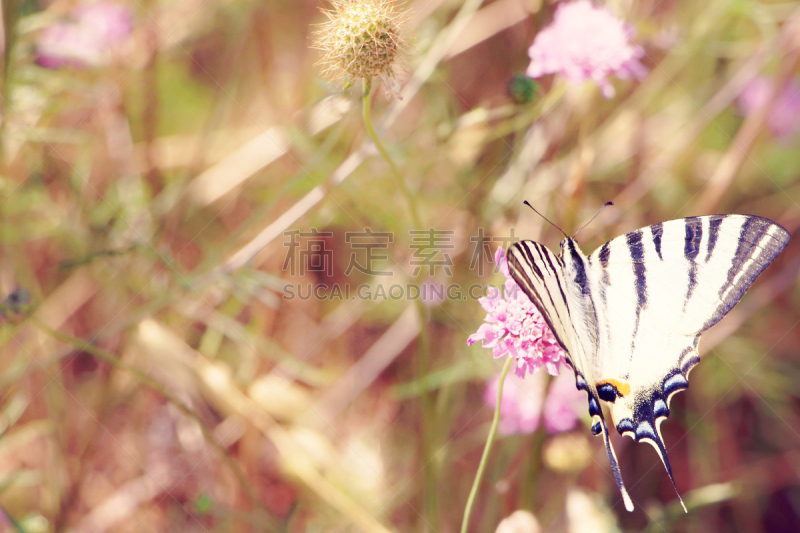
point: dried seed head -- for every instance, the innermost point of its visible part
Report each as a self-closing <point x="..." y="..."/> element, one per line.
<point x="361" y="40"/>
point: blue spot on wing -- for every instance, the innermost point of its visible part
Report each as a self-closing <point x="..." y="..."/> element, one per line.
<point x="650" y="406"/>
<point x="626" y="424"/>
<point x="608" y="392"/>
<point x="675" y="383"/>
<point x="660" y="408"/>
<point x="645" y="431"/>
<point x="594" y="407"/>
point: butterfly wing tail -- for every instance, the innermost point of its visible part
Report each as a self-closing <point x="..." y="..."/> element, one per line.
<point x="599" y="426"/>
<point x="658" y="444"/>
<point x="612" y="457"/>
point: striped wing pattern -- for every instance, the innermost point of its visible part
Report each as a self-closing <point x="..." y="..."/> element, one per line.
<point x="538" y="271"/>
<point x="658" y="288"/>
<point x="636" y="308"/>
<point x="540" y="274"/>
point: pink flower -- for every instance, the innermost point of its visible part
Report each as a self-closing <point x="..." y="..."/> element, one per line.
<point x="564" y="404"/>
<point x="87" y="38"/>
<point x="65" y="44"/>
<point x="514" y="327"/>
<point x="523" y="403"/>
<point x="110" y="22"/>
<point x="585" y="42"/>
<point x="432" y="293"/>
<point x="783" y="118"/>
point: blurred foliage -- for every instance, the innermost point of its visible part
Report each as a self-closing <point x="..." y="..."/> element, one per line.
<point x="155" y="377"/>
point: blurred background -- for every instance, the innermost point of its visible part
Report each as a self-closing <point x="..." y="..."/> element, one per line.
<point x="187" y="200"/>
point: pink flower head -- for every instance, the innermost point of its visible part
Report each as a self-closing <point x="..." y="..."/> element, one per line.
<point x="523" y="404"/>
<point x="432" y="293"/>
<point x="87" y="38"/>
<point x="586" y="42"/>
<point x="514" y="327"/>
<point x="110" y="22"/>
<point x="783" y="118"/>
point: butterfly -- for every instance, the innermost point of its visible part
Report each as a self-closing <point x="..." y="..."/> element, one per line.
<point x="629" y="316"/>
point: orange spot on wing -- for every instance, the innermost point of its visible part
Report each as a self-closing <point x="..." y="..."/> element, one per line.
<point x="622" y="388"/>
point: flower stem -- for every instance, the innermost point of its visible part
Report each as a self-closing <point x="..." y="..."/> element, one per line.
<point x="428" y="442"/>
<point x="487" y="447"/>
<point x="366" y="113"/>
<point x="529" y="485"/>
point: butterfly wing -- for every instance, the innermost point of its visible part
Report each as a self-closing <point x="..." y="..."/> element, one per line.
<point x="540" y="274"/>
<point x="655" y="291"/>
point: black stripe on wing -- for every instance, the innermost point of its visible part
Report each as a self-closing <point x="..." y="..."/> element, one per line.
<point x="538" y="272"/>
<point x="760" y="241"/>
<point x="657" y="231"/>
<point x="691" y="249"/>
<point x="636" y="249"/>
<point x="713" y="234"/>
<point x="533" y="268"/>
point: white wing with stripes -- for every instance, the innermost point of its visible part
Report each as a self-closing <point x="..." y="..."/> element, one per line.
<point x="631" y="314"/>
<point x="541" y="275"/>
<point x="656" y="290"/>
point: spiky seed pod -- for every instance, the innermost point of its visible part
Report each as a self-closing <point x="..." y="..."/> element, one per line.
<point x="361" y="40"/>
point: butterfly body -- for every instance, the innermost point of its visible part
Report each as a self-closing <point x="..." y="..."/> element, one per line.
<point x="629" y="316"/>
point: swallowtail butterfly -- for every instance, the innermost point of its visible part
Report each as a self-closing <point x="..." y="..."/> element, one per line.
<point x="629" y="316"/>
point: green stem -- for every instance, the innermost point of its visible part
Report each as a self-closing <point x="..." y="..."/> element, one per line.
<point x="428" y="437"/>
<point x="423" y="339"/>
<point x="366" y="112"/>
<point x="487" y="447"/>
<point x="529" y="485"/>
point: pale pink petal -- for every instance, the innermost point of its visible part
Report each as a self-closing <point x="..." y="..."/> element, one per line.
<point x="586" y="42"/>
<point x="87" y="39"/>
<point x="432" y="293"/>
<point x="110" y="22"/>
<point x="64" y="44"/>
<point x="499" y="350"/>
<point x="501" y="261"/>
<point x="783" y="118"/>
<point x="489" y="334"/>
<point x="754" y="94"/>
<point x="513" y="327"/>
<point x="564" y="404"/>
<point x="521" y="369"/>
<point x="521" y="405"/>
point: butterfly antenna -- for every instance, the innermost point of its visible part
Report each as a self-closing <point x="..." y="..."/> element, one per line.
<point x="544" y="217"/>
<point x="594" y="217"/>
